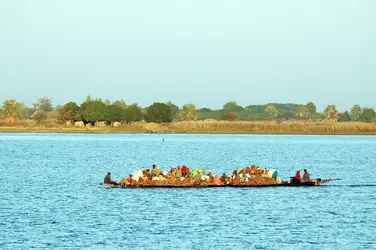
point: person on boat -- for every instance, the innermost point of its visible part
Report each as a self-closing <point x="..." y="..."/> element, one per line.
<point x="210" y="178"/>
<point x="179" y="173"/>
<point x="223" y="177"/>
<point x="107" y="179"/>
<point x="184" y="171"/>
<point x="306" y="175"/>
<point x="155" y="172"/>
<point x="197" y="178"/>
<point x="130" y="179"/>
<point x="236" y="178"/>
<point x="297" y="177"/>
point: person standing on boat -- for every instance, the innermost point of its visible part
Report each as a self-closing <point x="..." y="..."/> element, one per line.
<point x="306" y="175"/>
<point x="107" y="179"/>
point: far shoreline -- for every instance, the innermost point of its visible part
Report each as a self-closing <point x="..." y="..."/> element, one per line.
<point x="7" y="130"/>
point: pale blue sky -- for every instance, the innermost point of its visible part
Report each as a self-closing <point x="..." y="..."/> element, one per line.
<point x="197" y="51"/>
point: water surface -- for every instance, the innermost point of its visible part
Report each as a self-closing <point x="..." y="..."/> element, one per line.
<point x="49" y="199"/>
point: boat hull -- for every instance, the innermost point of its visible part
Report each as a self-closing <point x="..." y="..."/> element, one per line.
<point x="315" y="182"/>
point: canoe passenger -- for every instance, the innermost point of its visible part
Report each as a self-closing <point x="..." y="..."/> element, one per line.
<point x="130" y="179"/>
<point x="155" y="172"/>
<point x="184" y="170"/>
<point x="178" y="172"/>
<point x="236" y="178"/>
<point x="297" y="176"/>
<point x="306" y="175"/>
<point x="223" y="178"/>
<point x="107" y="179"/>
<point x="197" y="178"/>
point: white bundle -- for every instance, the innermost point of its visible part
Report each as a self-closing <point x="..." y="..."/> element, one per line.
<point x="137" y="174"/>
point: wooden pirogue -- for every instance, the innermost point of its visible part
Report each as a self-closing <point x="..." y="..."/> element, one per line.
<point x="313" y="182"/>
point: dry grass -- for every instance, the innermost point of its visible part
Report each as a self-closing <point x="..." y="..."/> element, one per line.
<point x="295" y="127"/>
<point x="205" y="127"/>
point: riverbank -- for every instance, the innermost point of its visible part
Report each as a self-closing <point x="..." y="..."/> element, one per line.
<point x="200" y="127"/>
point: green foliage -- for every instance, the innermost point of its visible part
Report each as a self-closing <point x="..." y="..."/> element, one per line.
<point x="232" y="107"/>
<point x="121" y="103"/>
<point x="286" y="115"/>
<point x="25" y="112"/>
<point x="304" y="113"/>
<point x="69" y="112"/>
<point x="368" y="115"/>
<point x="11" y="110"/>
<point x="311" y="109"/>
<point x="188" y="113"/>
<point x="331" y="113"/>
<point x="344" y="117"/>
<point x="159" y="112"/>
<point x="44" y="104"/>
<point x="93" y="111"/>
<point x="39" y="116"/>
<point x="133" y="113"/>
<point x="89" y="98"/>
<point x="115" y="114"/>
<point x="204" y="110"/>
<point x="355" y="112"/>
<point x="107" y="102"/>
<point x="230" y="116"/>
<point x="272" y="111"/>
<point x="174" y="108"/>
<point x="205" y="115"/>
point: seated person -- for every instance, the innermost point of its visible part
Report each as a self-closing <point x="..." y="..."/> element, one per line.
<point x="296" y="178"/>
<point x="223" y="178"/>
<point x="197" y="178"/>
<point x="306" y="176"/>
<point x="107" y="179"/>
<point x="130" y="179"/>
<point x="184" y="170"/>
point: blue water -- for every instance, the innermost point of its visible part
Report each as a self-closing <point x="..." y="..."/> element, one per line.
<point x="49" y="197"/>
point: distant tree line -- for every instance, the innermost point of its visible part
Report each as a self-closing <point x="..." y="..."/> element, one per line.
<point x="92" y="111"/>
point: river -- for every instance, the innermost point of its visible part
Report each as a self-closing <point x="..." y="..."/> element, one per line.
<point x="49" y="197"/>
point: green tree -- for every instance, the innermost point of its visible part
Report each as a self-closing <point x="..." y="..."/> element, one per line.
<point x="331" y="113"/>
<point x="25" y="112"/>
<point x="355" y="112"/>
<point x="69" y="112"/>
<point x="93" y="111"/>
<point x="121" y="103"/>
<point x="304" y="113"/>
<point x="159" y="112"/>
<point x="174" y="108"/>
<point x="368" y="115"/>
<point x="230" y="116"/>
<point x="89" y="98"/>
<point x="311" y="109"/>
<point x="107" y="102"/>
<point x="232" y="107"/>
<point x="44" y="104"/>
<point x="286" y="115"/>
<point x="115" y="114"/>
<point x="11" y="110"/>
<point x="39" y="116"/>
<point x="133" y="113"/>
<point x="188" y="113"/>
<point x="204" y="110"/>
<point x="344" y="117"/>
<point x="272" y="111"/>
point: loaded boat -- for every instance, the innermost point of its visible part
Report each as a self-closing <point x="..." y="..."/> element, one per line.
<point x="242" y="178"/>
